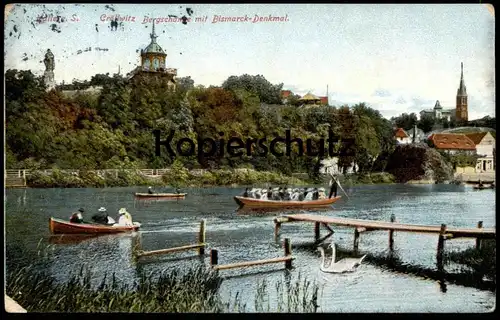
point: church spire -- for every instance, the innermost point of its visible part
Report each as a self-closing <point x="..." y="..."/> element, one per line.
<point x="153" y="34"/>
<point x="461" y="89"/>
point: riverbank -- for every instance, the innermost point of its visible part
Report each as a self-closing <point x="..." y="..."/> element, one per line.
<point x="185" y="178"/>
<point x="193" y="290"/>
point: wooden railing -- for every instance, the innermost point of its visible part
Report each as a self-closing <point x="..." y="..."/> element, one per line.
<point x="23" y="173"/>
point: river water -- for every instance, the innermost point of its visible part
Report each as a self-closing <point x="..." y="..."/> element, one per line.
<point x="375" y="287"/>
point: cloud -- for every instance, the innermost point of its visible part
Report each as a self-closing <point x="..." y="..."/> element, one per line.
<point x="400" y="100"/>
<point x="381" y="93"/>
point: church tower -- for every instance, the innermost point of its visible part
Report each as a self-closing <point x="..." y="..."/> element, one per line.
<point x="461" y="109"/>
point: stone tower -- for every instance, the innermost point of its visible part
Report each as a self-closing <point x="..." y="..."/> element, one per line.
<point x="461" y="110"/>
<point x="48" y="75"/>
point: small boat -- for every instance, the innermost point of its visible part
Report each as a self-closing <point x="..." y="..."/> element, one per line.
<point x="274" y="204"/>
<point x="484" y="186"/>
<point x="58" y="226"/>
<point x="160" y="195"/>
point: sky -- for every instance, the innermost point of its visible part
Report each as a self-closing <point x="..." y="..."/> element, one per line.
<point x="396" y="58"/>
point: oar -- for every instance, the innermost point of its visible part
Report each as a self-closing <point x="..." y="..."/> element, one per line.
<point x="338" y="183"/>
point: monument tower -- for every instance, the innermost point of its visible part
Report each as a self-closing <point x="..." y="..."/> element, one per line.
<point x="48" y="75"/>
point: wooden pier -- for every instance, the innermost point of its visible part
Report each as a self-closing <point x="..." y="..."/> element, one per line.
<point x="287" y="259"/>
<point x="370" y="225"/>
<point x="444" y="232"/>
<point x="200" y="246"/>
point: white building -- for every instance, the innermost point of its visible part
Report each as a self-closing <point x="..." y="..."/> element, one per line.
<point x="485" y="148"/>
<point x="438" y="112"/>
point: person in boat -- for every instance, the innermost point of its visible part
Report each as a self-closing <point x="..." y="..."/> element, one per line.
<point x="480" y="184"/>
<point x="333" y="189"/>
<point x="103" y="217"/>
<point x="150" y="190"/>
<point x="77" y="217"/>
<point x="246" y="193"/>
<point x="124" y="218"/>
<point x="302" y="194"/>
<point x="281" y="193"/>
<point x="315" y="194"/>
<point x="309" y="194"/>
<point x="276" y="194"/>
<point x="257" y="193"/>
<point x="269" y="194"/>
<point x="263" y="195"/>
<point x="287" y="194"/>
<point x="321" y="193"/>
<point x="294" y="195"/>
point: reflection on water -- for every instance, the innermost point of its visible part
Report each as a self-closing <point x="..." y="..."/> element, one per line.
<point x="386" y="281"/>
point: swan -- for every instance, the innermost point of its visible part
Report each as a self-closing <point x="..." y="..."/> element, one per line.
<point x="344" y="265"/>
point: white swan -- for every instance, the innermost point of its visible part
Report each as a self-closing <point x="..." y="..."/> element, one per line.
<point x="344" y="265"/>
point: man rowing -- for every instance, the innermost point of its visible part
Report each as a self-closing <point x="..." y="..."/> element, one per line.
<point x="102" y="217"/>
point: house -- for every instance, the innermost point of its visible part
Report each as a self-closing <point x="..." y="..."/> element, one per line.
<point x="438" y="112"/>
<point x="485" y="148"/>
<point x="324" y="100"/>
<point x="284" y="95"/>
<point x="452" y="143"/>
<point x="402" y="137"/>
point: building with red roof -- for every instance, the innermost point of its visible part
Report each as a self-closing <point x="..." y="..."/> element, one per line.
<point x="452" y="143"/>
<point x="401" y="136"/>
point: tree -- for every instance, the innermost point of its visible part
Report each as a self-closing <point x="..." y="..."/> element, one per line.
<point x="178" y="175"/>
<point x="405" y="121"/>
<point x="293" y="100"/>
<point x="426" y="123"/>
<point x="266" y="91"/>
<point x="185" y="84"/>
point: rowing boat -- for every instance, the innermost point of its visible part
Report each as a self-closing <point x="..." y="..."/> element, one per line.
<point x="160" y="195"/>
<point x="274" y="204"/>
<point x="58" y="226"/>
<point x="483" y="187"/>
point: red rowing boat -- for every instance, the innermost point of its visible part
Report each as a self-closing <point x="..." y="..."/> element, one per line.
<point x="58" y="226"/>
<point x="274" y="204"/>
<point x="160" y="195"/>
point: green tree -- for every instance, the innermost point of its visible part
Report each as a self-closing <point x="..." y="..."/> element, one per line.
<point x="405" y="121"/>
<point x="178" y="175"/>
<point x="266" y="91"/>
<point x="426" y="123"/>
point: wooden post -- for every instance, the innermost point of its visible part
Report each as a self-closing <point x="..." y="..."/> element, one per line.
<point x="277" y="227"/>
<point x="201" y="238"/>
<point x="391" y="234"/>
<point x="440" y="248"/>
<point x="214" y="257"/>
<point x="288" y="252"/>
<point x="478" y="241"/>
<point x="316" y="231"/>
<point x="356" y="239"/>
